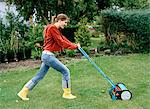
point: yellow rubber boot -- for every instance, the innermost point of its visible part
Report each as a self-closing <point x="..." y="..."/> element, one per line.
<point x="67" y="94"/>
<point x="23" y="93"/>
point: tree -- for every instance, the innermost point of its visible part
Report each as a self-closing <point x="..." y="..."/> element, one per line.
<point x="28" y="7"/>
<point x="128" y="4"/>
<point x="102" y="4"/>
<point x="44" y="9"/>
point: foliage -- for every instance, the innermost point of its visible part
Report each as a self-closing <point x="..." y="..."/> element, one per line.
<point x="87" y="8"/>
<point x="44" y="9"/>
<point x="36" y="39"/>
<point x="36" y="53"/>
<point x="71" y="53"/>
<point x="86" y="49"/>
<point x="83" y="34"/>
<point x="13" y="40"/>
<point x="127" y="4"/>
<point x="18" y="38"/>
<point x="127" y="29"/>
<point x="35" y="34"/>
<point x="75" y="9"/>
<point x="27" y="7"/>
<point x="131" y="4"/>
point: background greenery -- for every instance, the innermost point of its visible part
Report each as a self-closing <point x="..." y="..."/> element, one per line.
<point x="123" y="24"/>
<point x="126" y="29"/>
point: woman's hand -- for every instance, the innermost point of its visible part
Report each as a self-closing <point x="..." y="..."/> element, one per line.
<point x="78" y="44"/>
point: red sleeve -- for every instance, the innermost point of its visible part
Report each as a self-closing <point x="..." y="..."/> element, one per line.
<point x="61" y="40"/>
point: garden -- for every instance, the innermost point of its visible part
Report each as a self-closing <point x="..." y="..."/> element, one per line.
<point x="115" y="34"/>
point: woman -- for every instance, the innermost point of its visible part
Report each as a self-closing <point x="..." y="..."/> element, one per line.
<point x="54" y="41"/>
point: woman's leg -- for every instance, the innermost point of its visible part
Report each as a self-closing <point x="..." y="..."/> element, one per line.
<point x="59" y="66"/>
<point x="66" y="84"/>
<point x="39" y="76"/>
<point x="31" y="84"/>
<point x="42" y="72"/>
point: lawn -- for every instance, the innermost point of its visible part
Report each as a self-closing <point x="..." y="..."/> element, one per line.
<point x="87" y="84"/>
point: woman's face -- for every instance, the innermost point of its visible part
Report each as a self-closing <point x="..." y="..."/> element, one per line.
<point x="62" y="24"/>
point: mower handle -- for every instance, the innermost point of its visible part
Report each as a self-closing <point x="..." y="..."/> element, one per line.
<point x="94" y="64"/>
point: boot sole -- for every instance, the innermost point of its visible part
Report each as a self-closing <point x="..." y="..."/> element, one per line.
<point x="22" y="98"/>
<point x="69" y="98"/>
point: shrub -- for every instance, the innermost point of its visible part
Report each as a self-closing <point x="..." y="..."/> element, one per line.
<point x="71" y="53"/>
<point x="83" y="35"/>
<point x="134" y="24"/>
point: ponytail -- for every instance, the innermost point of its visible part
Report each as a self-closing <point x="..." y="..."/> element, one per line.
<point x="54" y="19"/>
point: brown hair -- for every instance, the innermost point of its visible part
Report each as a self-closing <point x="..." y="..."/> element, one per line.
<point x="61" y="17"/>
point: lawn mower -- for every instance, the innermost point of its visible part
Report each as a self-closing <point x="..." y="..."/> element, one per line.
<point x="117" y="91"/>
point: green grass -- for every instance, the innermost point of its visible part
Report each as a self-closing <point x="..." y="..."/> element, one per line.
<point x="87" y="83"/>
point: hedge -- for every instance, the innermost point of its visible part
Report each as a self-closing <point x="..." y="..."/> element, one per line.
<point x="135" y="24"/>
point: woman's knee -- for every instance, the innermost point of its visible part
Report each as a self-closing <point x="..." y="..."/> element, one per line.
<point x="66" y="74"/>
<point x="37" y="78"/>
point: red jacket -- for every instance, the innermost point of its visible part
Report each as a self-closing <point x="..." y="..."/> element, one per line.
<point x="55" y="41"/>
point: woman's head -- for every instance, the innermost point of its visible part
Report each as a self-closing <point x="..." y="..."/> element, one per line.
<point x="61" y="20"/>
<point x="62" y="17"/>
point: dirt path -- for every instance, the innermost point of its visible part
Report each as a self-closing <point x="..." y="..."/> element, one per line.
<point x="20" y="64"/>
<point x="30" y="64"/>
